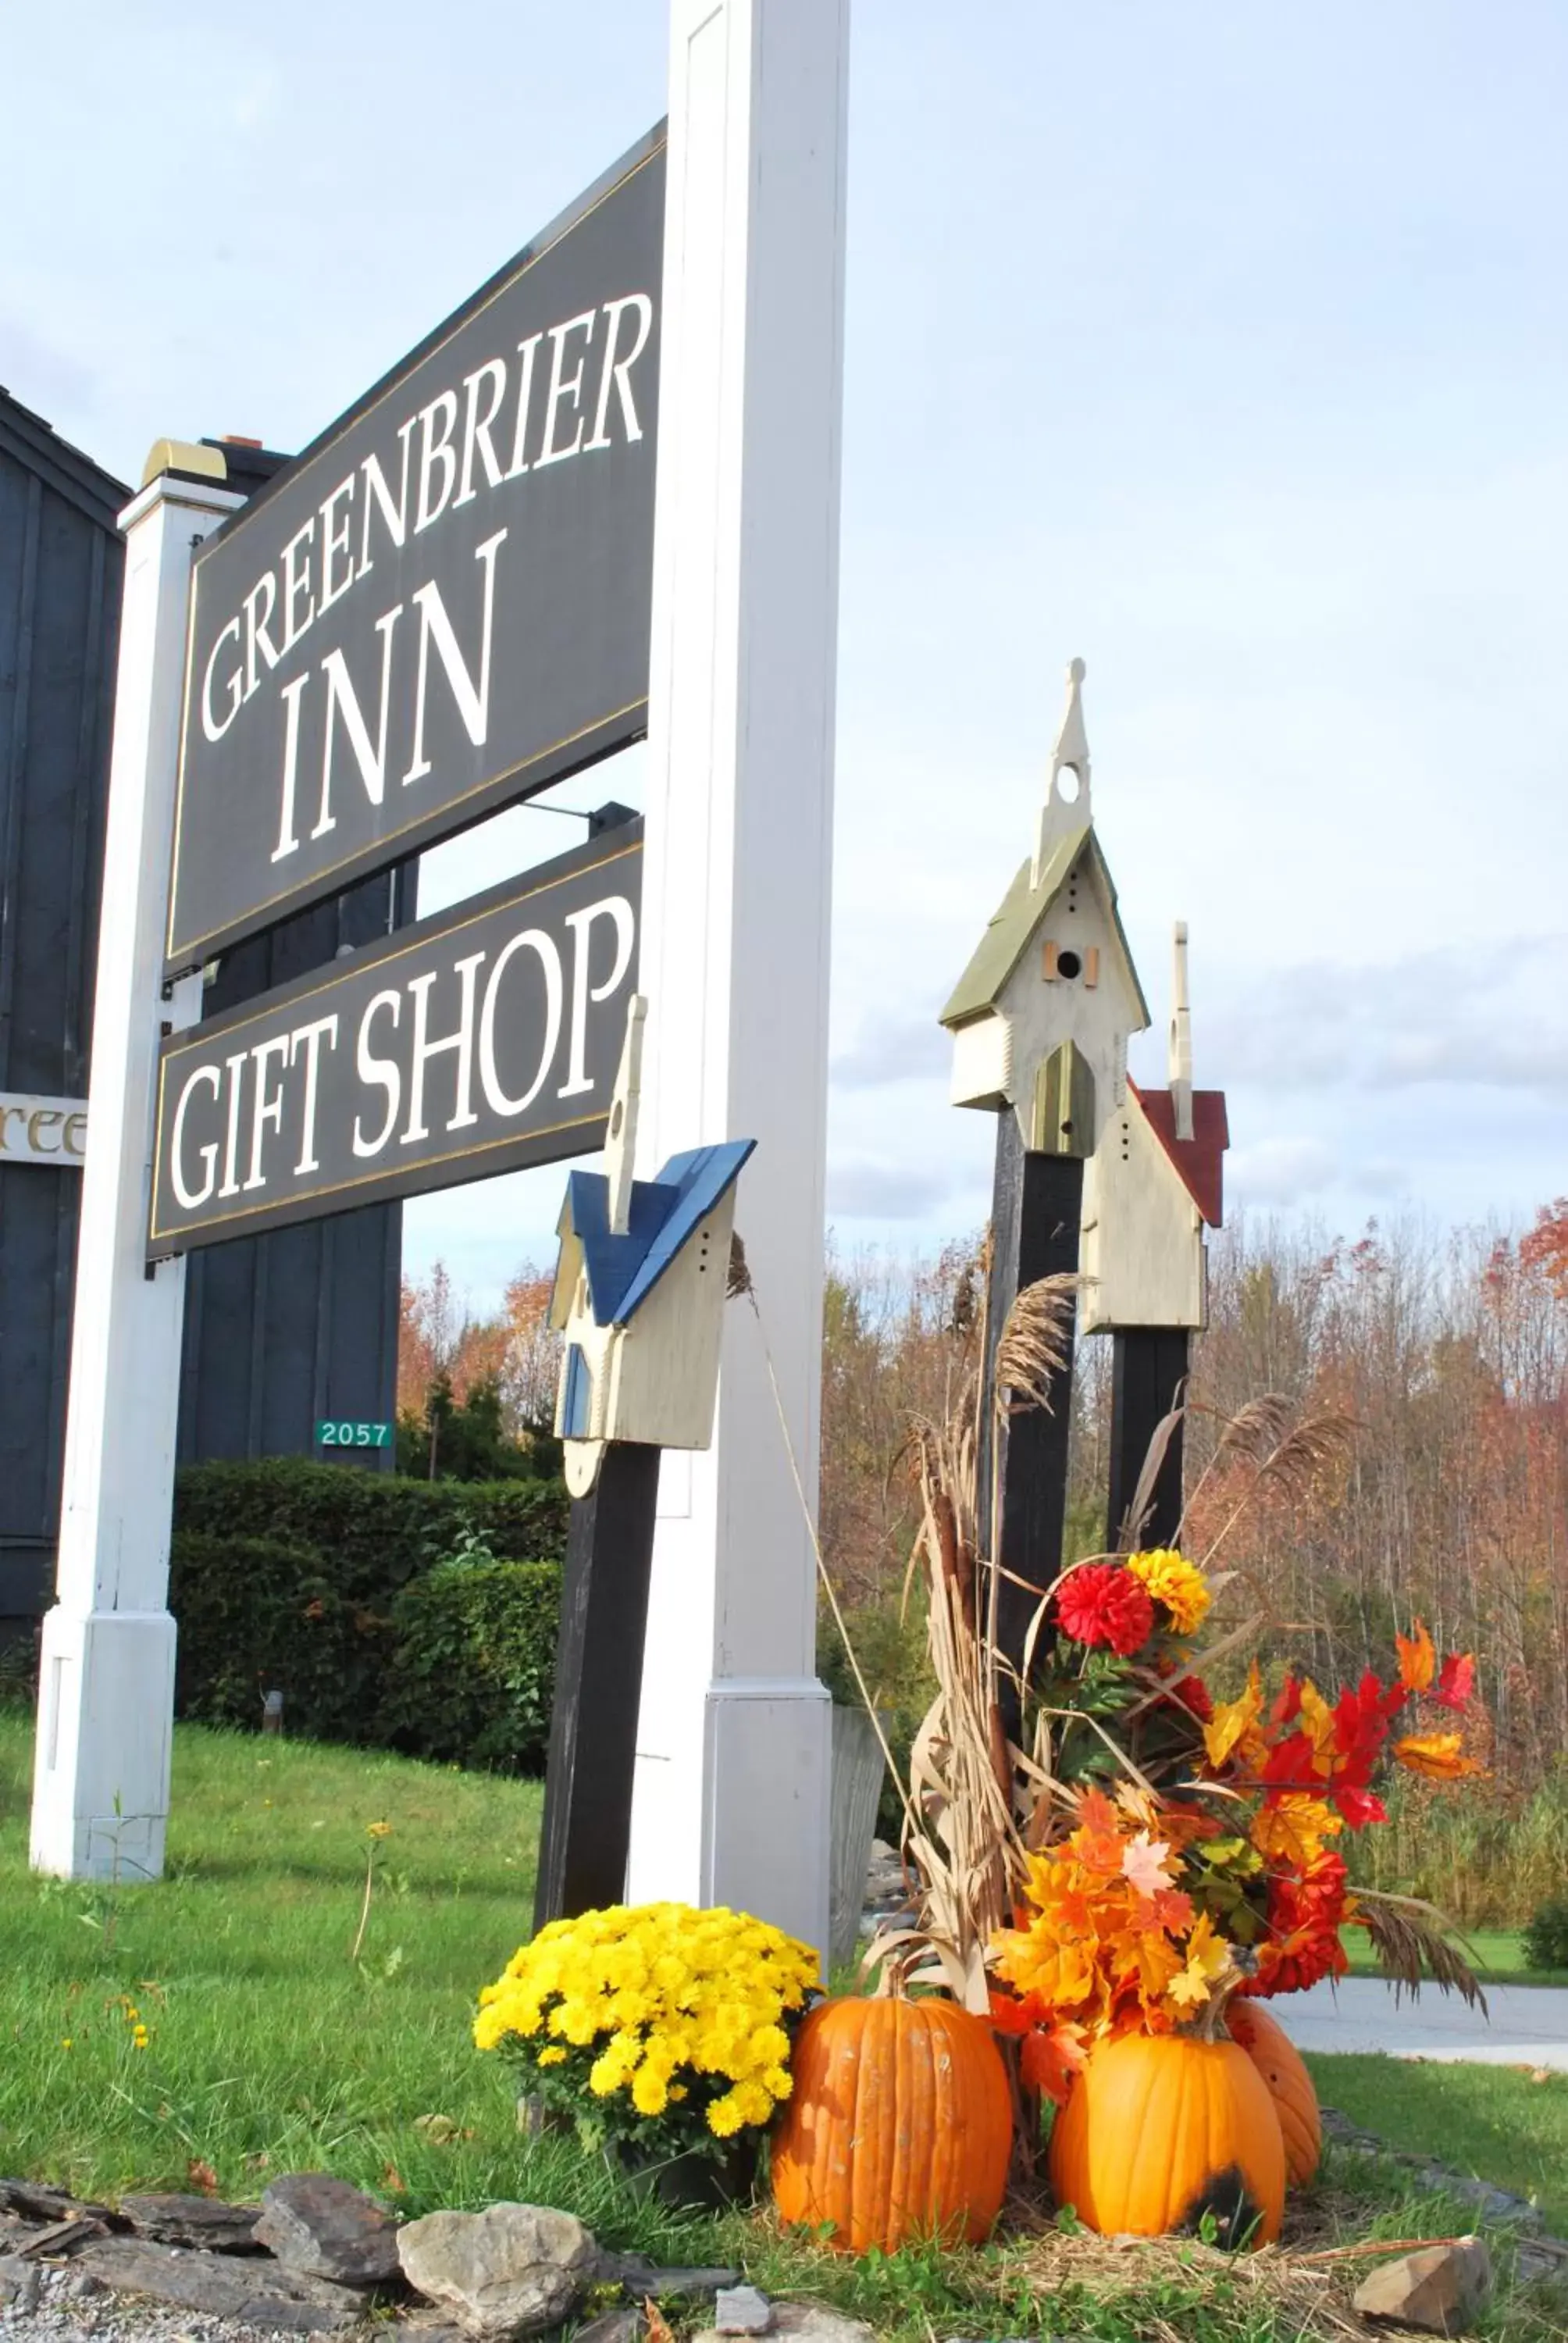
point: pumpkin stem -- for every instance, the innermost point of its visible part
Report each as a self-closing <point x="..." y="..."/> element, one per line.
<point x="1210" y="2024"/>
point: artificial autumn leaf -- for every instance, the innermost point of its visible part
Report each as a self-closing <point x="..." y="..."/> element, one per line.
<point x="1455" y="1685"/>
<point x="1417" y="1659"/>
<point x="1232" y="1719"/>
<point x="1293" y="1828"/>
<point x="392" y="2180"/>
<point x="201" y="2176"/>
<point x="1143" y="1865"/>
<point x="1359" y="1807"/>
<point x="1208" y="1960"/>
<point x="659" y="2326"/>
<point x="1050" y="2058"/>
<point x="1436" y="1756"/>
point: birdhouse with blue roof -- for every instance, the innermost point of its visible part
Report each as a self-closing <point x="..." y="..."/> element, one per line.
<point x="1041" y="1016"/>
<point x="640" y="1290"/>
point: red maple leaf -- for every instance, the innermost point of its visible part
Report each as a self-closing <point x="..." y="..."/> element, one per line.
<point x="1455" y="1685"/>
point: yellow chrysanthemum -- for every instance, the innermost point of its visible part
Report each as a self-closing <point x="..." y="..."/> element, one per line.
<point x="1179" y="1584"/>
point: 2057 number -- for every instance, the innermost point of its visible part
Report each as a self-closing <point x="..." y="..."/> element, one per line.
<point x="354" y="1435"/>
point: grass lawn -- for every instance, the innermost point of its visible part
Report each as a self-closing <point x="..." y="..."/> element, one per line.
<point x="1491" y="2122"/>
<point x="270" y="2049"/>
<point x="1498" y="1954"/>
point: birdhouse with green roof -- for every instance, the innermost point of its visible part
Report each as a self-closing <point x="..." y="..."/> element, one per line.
<point x="1042" y="1015"/>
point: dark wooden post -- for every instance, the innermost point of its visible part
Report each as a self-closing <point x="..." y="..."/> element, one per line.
<point x="1149" y="1367"/>
<point x="1036" y="1211"/>
<point x="586" y="1835"/>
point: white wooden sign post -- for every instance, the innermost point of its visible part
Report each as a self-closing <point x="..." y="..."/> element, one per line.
<point x="732" y="1783"/>
<point x="101" y="1777"/>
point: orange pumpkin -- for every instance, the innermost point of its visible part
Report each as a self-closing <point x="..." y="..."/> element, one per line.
<point x="1278" y="2061"/>
<point x="1160" y="2129"/>
<point x="898" y="2124"/>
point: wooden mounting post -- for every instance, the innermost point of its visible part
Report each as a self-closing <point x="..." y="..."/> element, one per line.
<point x="586" y="1837"/>
<point x="1149" y="1367"/>
<point x="1037" y="1210"/>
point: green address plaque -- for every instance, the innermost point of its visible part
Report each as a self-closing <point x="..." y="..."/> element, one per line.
<point x="345" y="1435"/>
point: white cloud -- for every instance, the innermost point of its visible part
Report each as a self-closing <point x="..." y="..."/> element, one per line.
<point x="1280" y="1170"/>
<point x="863" y="1191"/>
<point x="892" y="1048"/>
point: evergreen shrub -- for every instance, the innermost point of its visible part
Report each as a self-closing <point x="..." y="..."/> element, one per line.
<point x="1545" y="1944"/>
<point x="473" y="1668"/>
<point x="348" y="1591"/>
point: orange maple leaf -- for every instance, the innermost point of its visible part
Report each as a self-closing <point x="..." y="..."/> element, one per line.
<point x="1417" y="1658"/>
<point x="1436" y="1756"/>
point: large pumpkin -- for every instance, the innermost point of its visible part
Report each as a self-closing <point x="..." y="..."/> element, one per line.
<point x="1160" y="2129"/>
<point x="898" y="2124"/>
<point x="1278" y="2061"/>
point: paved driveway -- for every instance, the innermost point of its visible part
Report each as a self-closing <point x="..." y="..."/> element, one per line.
<point x="1528" y="2026"/>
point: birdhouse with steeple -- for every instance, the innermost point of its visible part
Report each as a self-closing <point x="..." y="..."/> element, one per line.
<point x="639" y="1289"/>
<point x="1041" y="1016"/>
<point x="1154" y="1187"/>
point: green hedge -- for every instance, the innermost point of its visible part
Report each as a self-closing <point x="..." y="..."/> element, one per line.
<point x="333" y="1586"/>
<point x="474" y="1668"/>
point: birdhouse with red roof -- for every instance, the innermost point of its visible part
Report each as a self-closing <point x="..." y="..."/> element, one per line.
<point x="1041" y="1016"/>
<point x="1152" y="1189"/>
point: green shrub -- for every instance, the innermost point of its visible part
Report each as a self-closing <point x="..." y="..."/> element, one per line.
<point x="474" y="1668"/>
<point x="1545" y="1944"/>
<point x="256" y="1614"/>
<point x="381" y="1528"/>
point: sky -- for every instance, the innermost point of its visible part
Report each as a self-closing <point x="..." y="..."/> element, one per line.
<point x="1223" y="346"/>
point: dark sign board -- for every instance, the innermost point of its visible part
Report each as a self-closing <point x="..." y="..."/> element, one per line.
<point x="444" y="603"/>
<point x="479" y="1040"/>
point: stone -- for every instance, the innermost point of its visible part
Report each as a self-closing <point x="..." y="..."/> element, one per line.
<point x="741" y="2310"/>
<point x="322" y="2227"/>
<point x="513" y="2269"/>
<point x="644" y="2277"/>
<point x="58" y="2238"/>
<point x="21" y="2283"/>
<point x="626" y="2325"/>
<point x="203" y="2222"/>
<point x="81" y="2285"/>
<point x="225" y="2286"/>
<point x="810" y="2322"/>
<point x="1438" y="2289"/>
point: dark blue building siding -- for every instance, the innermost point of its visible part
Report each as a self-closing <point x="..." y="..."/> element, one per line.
<point x="280" y="1330"/>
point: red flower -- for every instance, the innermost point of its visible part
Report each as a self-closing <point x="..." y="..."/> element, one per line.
<point x="1101" y="1603"/>
<point x="1305" y="1909"/>
<point x="1195" y="1693"/>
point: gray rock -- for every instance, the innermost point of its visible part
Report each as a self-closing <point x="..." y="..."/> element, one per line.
<point x="322" y="2227"/>
<point x="21" y="2283"/>
<point x="1438" y="2289"/>
<point x="200" y="2221"/>
<point x="741" y="2310"/>
<point x="224" y="2285"/>
<point x="810" y="2322"/>
<point x="644" y="2277"/>
<point x="513" y="2269"/>
<point x="626" y="2325"/>
<point x="36" y="2201"/>
<point x="81" y="2285"/>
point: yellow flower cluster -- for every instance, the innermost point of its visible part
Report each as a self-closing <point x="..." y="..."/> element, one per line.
<point x="665" y="1995"/>
<point x="1170" y="1578"/>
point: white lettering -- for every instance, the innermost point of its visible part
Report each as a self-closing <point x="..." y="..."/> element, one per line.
<point x="308" y="1037"/>
<point x="615" y="370"/>
<point x="341" y="697"/>
<point x="187" y="1197"/>
<point x="615" y="908"/>
<point x="266" y="1113"/>
<point x="423" y="1050"/>
<point x="473" y="701"/>
<point x="394" y="516"/>
<point x="435" y="453"/>
<point x="256" y="634"/>
<point x="382" y="1072"/>
<point x="561" y="387"/>
<point x="476" y="428"/>
<point x="287" y="841"/>
<point x="524" y="395"/>
<point x="334" y="540"/>
<point x="231" y="1142"/>
<point x="296" y="582"/>
<point x="209" y="723"/>
<point x="533" y="939"/>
